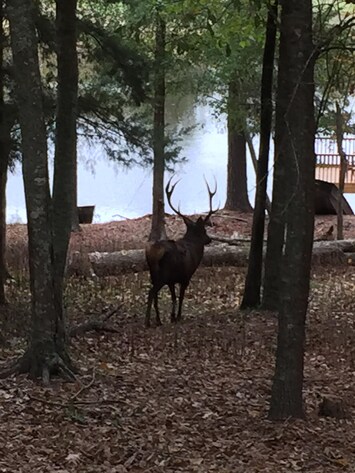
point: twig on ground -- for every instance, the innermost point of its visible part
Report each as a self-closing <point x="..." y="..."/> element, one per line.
<point x="84" y="387"/>
<point x="95" y="325"/>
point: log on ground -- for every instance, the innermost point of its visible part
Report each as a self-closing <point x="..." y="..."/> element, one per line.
<point x="111" y="264"/>
<point x="124" y="261"/>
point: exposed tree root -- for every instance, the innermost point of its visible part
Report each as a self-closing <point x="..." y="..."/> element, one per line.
<point x="39" y="364"/>
<point x="45" y="359"/>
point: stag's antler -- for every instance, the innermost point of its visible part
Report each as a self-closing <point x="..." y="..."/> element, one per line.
<point x="169" y="189"/>
<point x="211" y="195"/>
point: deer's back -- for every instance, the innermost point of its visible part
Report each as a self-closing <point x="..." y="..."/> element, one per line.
<point x="173" y="261"/>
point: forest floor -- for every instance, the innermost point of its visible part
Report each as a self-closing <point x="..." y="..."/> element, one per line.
<point x="187" y="398"/>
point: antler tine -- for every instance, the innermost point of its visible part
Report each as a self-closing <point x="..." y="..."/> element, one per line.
<point x="211" y="195"/>
<point x="169" y="189"/>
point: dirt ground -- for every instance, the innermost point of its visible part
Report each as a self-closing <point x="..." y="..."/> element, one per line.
<point x="186" y="398"/>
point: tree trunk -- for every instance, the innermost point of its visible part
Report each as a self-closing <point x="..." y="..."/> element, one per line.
<point x="158" y="218"/>
<point x="280" y="198"/>
<point x="342" y="170"/>
<point x="4" y="156"/>
<point x="5" y="129"/>
<point x="296" y="67"/>
<point x="237" y="188"/>
<point x="46" y="353"/>
<point x="5" y="146"/>
<point x="64" y="183"/>
<point x="251" y="296"/>
<point x="75" y="227"/>
<point x="254" y="159"/>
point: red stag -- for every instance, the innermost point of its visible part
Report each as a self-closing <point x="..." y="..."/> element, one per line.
<point x="174" y="262"/>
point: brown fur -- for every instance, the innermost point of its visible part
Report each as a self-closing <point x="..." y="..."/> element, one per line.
<point x="174" y="262"/>
<point x="154" y="251"/>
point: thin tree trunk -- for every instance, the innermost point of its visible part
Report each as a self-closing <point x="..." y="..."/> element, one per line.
<point x="4" y="158"/>
<point x="254" y="160"/>
<point x="158" y="218"/>
<point x="75" y="227"/>
<point x="252" y="289"/>
<point x="342" y="170"/>
<point x="4" y="155"/>
<point x="237" y="187"/>
<point x="64" y="182"/>
<point x="5" y="146"/>
<point x="296" y="66"/>
<point x="46" y="353"/>
<point x="280" y="198"/>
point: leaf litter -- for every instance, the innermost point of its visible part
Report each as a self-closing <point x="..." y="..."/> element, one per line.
<point x="186" y="398"/>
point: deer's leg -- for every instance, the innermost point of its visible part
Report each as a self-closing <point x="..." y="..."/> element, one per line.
<point x="181" y="299"/>
<point x="157" y="317"/>
<point x="153" y="296"/>
<point x="149" y="307"/>
<point x="173" y="298"/>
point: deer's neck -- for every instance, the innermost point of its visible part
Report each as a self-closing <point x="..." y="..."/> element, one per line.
<point x="194" y="244"/>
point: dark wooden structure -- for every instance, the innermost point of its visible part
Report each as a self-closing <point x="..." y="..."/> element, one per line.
<point x="86" y="213"/>
<point x="327" y="199"/>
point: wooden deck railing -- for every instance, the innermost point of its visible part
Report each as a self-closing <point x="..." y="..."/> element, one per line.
<point x="328" y="162"/>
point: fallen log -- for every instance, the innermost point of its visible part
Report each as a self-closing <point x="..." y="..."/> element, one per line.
<point x="348" y="246"/>
<point x="105" y="264"/>
<point x="323" y="256"/>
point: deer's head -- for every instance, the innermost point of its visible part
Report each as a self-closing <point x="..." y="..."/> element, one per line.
<point x="195" y="230"/>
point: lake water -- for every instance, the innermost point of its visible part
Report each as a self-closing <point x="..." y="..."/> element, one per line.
<point x="119" y="193"/>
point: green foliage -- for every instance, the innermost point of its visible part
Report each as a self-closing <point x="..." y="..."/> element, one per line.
<point x="335" y="67"/>
<point x="209" y="43"/>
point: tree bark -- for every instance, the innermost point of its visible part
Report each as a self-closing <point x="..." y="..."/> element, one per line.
<point x="46" y="353"/>
<point x="65" y="163"/>
<point x="158" y="216"/>
<point x="280" y="197"/>
<point x="296" y="69"/>
<point x="252" y="289"/>
<point x="5" y="146"/>
<point x="5" y="129"/>
<point x="254" y="159"/>
<point x="237" y="187"/>
<point x="342" y="170"/>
